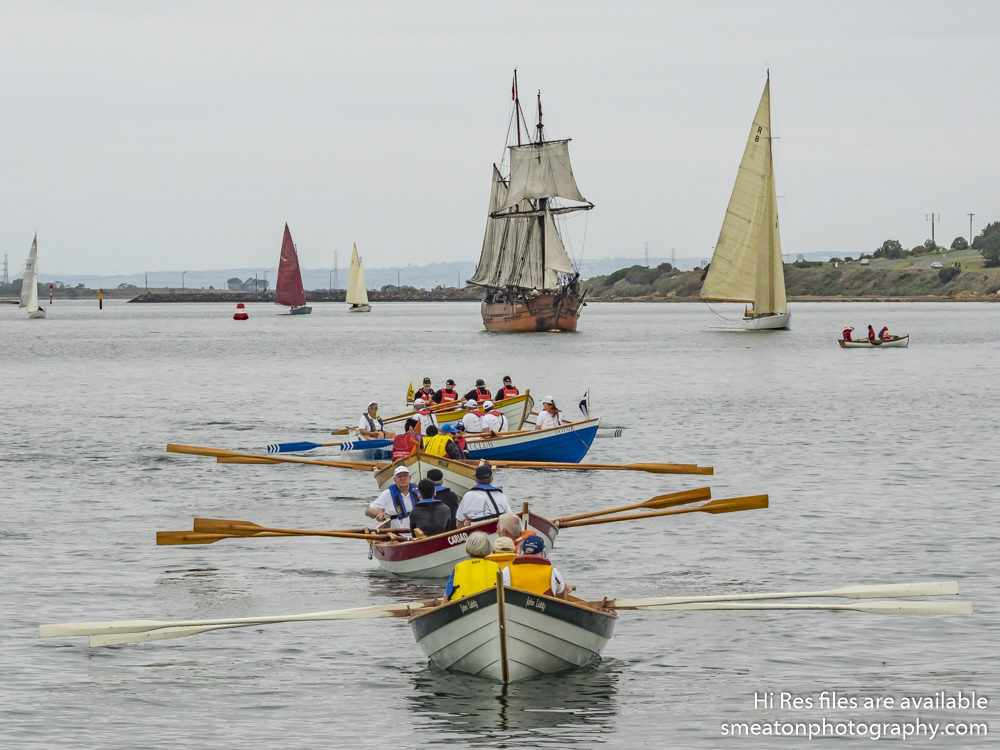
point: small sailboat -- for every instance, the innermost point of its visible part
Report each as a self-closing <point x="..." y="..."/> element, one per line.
<point x="357" y="295"/>
<point x="29" y="285"/>
<point x="288" y="289"/>
<point x="746" y="265"/>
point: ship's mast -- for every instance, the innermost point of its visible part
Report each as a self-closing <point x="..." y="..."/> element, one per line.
<point x="517" y="108"/>
<point x="542" y="202"/>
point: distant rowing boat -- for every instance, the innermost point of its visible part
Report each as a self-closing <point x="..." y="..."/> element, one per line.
<point x="566" y="443"/>
<point x="899" y="341"/>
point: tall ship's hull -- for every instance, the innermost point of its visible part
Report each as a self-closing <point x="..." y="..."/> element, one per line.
<point x="546" y="311"/>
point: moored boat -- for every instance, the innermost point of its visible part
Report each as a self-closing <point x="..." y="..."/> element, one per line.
<point x="894" y="341"/>
<point x="436" y="556"/>
<point x="566" y="443"/>
<point x="288" y="288"/>
<point x="746" y="264"/>
<point x="531" y="282"/>
<point x="507" y="634"/>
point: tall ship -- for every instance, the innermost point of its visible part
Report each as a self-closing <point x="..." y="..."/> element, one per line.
<point x="747" y="265"/>
<point x="530" y="280"/>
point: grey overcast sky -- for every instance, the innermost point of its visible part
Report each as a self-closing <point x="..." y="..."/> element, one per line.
<point x="183" y="135"/>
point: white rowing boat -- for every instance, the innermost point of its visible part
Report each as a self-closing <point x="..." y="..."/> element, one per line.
<point x="896" y="341"/>
<point x="507" y="634"/>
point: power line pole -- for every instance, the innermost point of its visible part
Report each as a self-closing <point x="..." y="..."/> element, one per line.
<point x="970" y="245"/>
<point x="673" y="260"/>
<point x="647" y="255"/>
<point x="932" y="226"/>
<point x="336" y="272"/>
<point x="6" y="278"/>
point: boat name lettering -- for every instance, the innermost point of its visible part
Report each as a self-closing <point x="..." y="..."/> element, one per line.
<point x="465" y="607"/>
<point x="536" y="603"/>
<point x="457" y="538"/>
<point x="487" y="444"/>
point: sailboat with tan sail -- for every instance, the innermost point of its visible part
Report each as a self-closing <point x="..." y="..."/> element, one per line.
<point x="29" y="284"/>
<point x="357" y="295"/>
<point x="747" y="265"/>
<point x="531" y="282"/>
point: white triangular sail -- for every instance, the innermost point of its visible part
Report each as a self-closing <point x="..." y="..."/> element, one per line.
<point x="356" y="292"/>
<point x="746" y="265"/>
<point x="541" y="170"/>
<point x="29" y="284"/>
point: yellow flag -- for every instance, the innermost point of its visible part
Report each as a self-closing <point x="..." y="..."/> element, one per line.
<point x="410" y="393"/>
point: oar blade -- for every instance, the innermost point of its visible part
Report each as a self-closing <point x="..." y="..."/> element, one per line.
<point x="226" y="526"/>
<point x="194" y="450"/>
<point x="292" y="447"/>
<point x="654" y="468"/>
<point x="188" y="537"/>
<point x="162" y="634"/>
<point x="96" y="628"/>
<point x="731" y="504"/>
<point x="927" y="588"/>
<point x="912" y="607"/>
<point x="679" y="498"/>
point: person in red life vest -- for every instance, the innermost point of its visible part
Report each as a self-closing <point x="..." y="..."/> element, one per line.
<point x="549" y="416"/>
<point x="847" y="332"/>
<point x="406" y="444"/>
<point x="508" y="390"/>
<point x="371" y="425"/>
<point x="458" y="427"/>
<point x="871" y="334"/>
<point x="426" y="391"/>
<point x="494" y="421"/>
<point x="447" y="394"/>
<point x="883" y="335"/>
<point x="395" y="502"/>
<point x="531" y="571"/>
<point x="480" y="393"/>
<point x="473" y="420"/>
<point x="424" y="416"/>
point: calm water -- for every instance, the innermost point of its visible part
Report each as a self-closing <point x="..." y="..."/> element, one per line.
<point x="881" y="467"/>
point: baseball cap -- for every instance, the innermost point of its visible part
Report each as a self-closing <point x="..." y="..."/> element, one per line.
<point x="435" y="475"/>
<point x="470" y="404"/>
<point x="548" y="400"/>
<point x="533" y="545"/>
<point x="506" y="378"/>
<point x="421" y="402"/>
<point x="487" y="404"/>
<point x="480" y="382"/>
<point x="484" y="472"/>
<point x="400" y="470"/>
<point x="449" y="381"/>
<point x="448" y="427"/>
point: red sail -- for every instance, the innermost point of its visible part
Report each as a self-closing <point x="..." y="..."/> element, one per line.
<point x="288" y="290"/>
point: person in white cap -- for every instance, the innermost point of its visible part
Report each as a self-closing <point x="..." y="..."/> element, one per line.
<point x="395" y="502"/>
<point x="494" y="421"/>
<point x="473" y="421"/>
<point x="549" y="415"/>
<point x="424" y="415"/>
<point x="371" y="425"/>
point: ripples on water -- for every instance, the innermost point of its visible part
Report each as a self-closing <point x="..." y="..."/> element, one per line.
<point x="880" y="466"/>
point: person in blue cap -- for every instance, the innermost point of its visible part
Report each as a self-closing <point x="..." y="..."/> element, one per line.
<point x="532" y="571"/>
<point x="430" y="516"/>
<point x="458" y="451"/>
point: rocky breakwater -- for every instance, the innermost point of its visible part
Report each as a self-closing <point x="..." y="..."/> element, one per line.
<point x="406" y="294"/>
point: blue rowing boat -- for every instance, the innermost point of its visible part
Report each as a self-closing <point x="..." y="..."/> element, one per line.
<point x="567" y="443"/>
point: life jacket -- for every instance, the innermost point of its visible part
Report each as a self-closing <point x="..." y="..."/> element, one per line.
<point x="882" y="333"/>
<point x="403" y="445"/>
<point x="397" y="499"/>
<point x="507" y="392"/>
<point x="503" y="559"/>
<point x="847" y="334"/>
<point x="460" y="440"/>
<point x="531" y="573"/>
<point x="473" y="576"/>
<point x="482" y="394"/>
<point x="435" y="445"/>
<point x="372" y="422"/>
<point x="489" y="489"/>
<point x="449" y="394"/>
<point x="425" y="393"/>
<point x="871" y="334"/>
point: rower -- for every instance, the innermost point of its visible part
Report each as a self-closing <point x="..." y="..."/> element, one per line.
<point x="445" y="494"/>
<point x="494" y="421"/>
<point x="456" y="448"/>
<point x="473" y="421"/>
<point x="446" y="394"/>
<point x="438" y="444"/>
<point x="509" y="525"/>
<point x="430" y="516"/>
<point x="424" y="416"/>
<point x="476" y="574"/>
<point x="480" y="393"/>
<point x="426" y="391"/>
<point x="847" y="332"/>
<point x="458" y="435"/>
<point x="871" y="334"/>
<point x="371" y="425"/>
<point x="508" y="390"/>
<point x="404" y="445"/>
<point x="504" y="552"/>
<point x="395" y="502"/>
<point x="549" y="416"/>
<point x="483" y="501"/>
<point x="531" y="571"/>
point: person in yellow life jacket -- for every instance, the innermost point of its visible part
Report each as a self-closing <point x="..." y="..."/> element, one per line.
<point x="531" y="571"/>
<point x="441" y="444"/>
<point x="503" y="553"/>
<point x="476" y="574"/>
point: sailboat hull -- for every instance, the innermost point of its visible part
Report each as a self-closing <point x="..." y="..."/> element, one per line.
<point x="359" y="308"/>
<point x="304" y="310"/>
<point x="549" y="311"/>
<point x="774" y="322"/>
<point x="38" y="314"/>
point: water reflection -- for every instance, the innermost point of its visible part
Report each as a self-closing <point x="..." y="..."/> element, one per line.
<point x="562" y="709"/>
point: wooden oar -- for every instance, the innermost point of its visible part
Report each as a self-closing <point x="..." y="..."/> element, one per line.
<point x="133" y="631"/>
<point x="660" y="501"/>
<point x="247" y="528"/>
<point x="194" y="450"/>
<point x="308" y="446"/>
<point x="931" y="588"/>
<point x="726" y="505"/>
<point x="874" y="606"/>
<point x="652" y="468"/>
<point x="196" y="537"/>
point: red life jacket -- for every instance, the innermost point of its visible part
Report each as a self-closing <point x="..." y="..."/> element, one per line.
<point x="483" y="394"/>
<point x="460" y="440"/>
<point x="425" y="393"/>
<point x="847" y="334"/>
<point x="402" y="445"/>
<point x="507" y="392"/>
<point x="449" y="394"/>
<point x="476" y="413"/>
